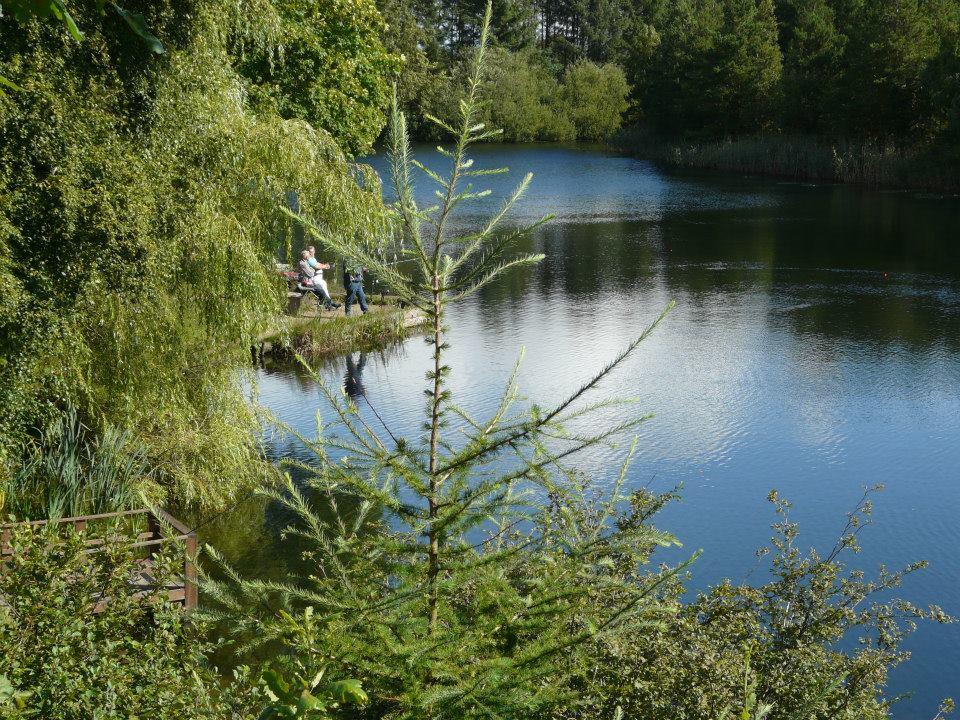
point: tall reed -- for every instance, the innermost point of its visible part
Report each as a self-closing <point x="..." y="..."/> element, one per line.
<point x="801" y="157"/>
<point x="70" y="470"/>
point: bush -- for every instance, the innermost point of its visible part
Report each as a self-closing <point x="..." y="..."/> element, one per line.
<point x="528" y="103"/>
<point x="137" y="657"/>
<point x="71" y="471"/>
<point x="778" y="642"/>
<point x="523" y="99"/>
<point x="595" y="99"/>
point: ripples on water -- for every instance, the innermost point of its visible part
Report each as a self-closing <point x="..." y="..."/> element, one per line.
<point x="813" y="349"/>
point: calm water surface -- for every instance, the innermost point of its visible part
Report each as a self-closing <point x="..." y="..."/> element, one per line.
<point x="814" y="348"/>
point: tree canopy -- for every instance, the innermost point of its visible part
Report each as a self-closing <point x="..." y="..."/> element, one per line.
<point x="140" y="217"/>
<point x="857" y="70"/>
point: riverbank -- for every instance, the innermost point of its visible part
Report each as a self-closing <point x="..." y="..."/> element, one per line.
<point x="318" y="334"/>
<point x="800" y="157"/>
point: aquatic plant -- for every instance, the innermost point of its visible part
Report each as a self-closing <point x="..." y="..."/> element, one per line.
<point x="71" y="471"/>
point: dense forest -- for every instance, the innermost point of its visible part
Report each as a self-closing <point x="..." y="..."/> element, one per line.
<point x="883" y="72"/>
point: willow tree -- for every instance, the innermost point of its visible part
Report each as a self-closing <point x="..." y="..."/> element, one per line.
<point x="455" y="573"/>
<point x="139" y="216"/>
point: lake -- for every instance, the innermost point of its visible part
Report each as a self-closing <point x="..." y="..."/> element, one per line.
<point x="814" y="348"/>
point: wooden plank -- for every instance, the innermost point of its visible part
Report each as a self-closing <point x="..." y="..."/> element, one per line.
<point x="142" y="583"/>
<point x="190" y="573"/>
<point x="172" y="522"/>
<point x="81" y="518"/>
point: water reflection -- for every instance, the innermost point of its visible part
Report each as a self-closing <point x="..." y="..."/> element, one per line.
<point x="353" y="380"/>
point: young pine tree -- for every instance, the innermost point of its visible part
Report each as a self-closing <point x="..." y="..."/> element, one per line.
<point x="455" y="574"/>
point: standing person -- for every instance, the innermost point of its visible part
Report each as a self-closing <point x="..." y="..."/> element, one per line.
<point x="353" y="283"/>
<point x="307" y="280"/>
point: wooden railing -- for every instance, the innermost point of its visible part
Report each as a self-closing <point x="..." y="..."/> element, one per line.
<point x="161" y="529"/>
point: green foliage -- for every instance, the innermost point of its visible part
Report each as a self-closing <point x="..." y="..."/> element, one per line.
<point x="717" y="68"/>
<point x="139" y="224"/>
<point x="890" y="44"/>
<point x="69" y="472"/>
<point x="339" y="335"/>
<point x="813" y="50"/>
<point x="596" y="99"/>
<point x="74" y="637"/>
<point x="291" y="695"/>
<point x="330" y="69"/>
<point x="769" y="650"/>
<point x="25" y="10"/>
<point x="411" y="35"/>
<point x="525" y="99"/>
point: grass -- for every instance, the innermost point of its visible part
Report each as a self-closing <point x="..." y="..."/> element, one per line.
<point x="318" y="337"/>
<point x="801" y="157"/>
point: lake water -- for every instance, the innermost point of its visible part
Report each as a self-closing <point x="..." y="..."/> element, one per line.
<point x="814" y="348"/>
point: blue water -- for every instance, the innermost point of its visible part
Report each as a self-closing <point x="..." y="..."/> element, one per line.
<point x="814" y="348"/>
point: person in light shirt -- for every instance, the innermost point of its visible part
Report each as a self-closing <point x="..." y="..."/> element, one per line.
<point x="318" y="268"/>
<point x="313" y="279"/>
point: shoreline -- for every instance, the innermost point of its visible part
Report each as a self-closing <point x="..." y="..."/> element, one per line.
<point x="321" y="334"/>
<point x="800" y="158"/>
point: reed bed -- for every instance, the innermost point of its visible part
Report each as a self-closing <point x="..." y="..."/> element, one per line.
<point x="802" y="158"/>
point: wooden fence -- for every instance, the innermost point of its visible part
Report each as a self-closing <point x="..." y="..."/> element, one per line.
<point x="161" y="528"/>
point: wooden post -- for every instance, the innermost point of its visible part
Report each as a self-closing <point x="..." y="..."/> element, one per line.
<point x="190" y="573"/>
<point x="153" y="525"/>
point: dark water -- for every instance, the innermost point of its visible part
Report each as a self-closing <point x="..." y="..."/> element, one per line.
<point x="814" y="348"/>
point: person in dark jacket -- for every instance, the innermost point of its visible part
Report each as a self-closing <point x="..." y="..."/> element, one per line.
<point x="353" y="284"/>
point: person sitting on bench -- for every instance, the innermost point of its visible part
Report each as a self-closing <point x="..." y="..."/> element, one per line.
<point x="308" y="281"/>
<point x="318" y="268"/>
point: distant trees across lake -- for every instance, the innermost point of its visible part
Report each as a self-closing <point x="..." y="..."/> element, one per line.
<point x="880" y="71"/>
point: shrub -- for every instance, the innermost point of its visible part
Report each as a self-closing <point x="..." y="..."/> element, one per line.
<point x="595" y="99"/>
<point x="71" y="471"/>
<point x="527" y="102"/>
<point x="136" y="657"/>
<point x="523" y="99"/>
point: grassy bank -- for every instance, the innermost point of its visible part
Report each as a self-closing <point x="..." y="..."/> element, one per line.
<point x="801" y="157"/>
<point x="317" y="336"/>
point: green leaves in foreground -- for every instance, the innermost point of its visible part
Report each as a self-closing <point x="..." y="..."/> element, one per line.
<point x="300" y="699"/>
<point x="138" y="24"/>
<point x="23" y="10"/>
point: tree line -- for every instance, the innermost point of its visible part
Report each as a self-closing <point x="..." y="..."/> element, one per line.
<point x="879" y="71"/>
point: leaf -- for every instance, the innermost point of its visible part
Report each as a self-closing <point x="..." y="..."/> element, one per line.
<point x="307" y="702"/>
<point x="12" y="86"/>
<point x="59" y="10"/>
<point x="347" y="691"/>
<point x="276" y="684"/>
<point x="138" y="23"/>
